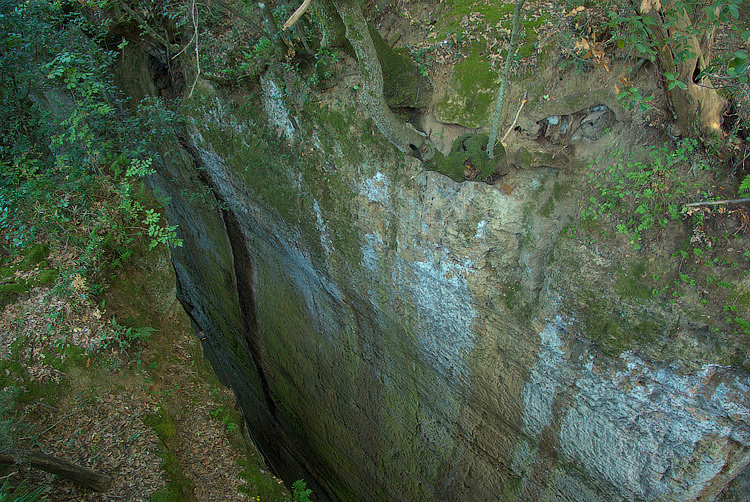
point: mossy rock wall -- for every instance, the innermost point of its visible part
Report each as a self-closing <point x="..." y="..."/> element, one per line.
<point x="393" y="334"/>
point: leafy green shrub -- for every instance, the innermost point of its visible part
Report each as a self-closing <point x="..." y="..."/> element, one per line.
<point x="631" y="98"/>
<point x="129" y="335"/>
<point x="641" y="195"/>
<point x="62" y="127"/>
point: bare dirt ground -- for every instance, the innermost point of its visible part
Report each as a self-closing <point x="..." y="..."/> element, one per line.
<point x="145" y="411"/>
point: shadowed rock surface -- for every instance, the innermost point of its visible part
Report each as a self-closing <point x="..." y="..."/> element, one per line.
<point x="392" y="334"/>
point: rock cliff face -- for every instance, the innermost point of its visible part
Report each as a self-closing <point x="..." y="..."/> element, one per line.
<point x="394" y="335"/>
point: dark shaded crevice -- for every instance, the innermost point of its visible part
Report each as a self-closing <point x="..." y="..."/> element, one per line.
<point x="278" y="451"/>
<point x="697" y="71"/>
<point x="243" y="276"/>
<point x="168" y="75"/>
<point x="587" y="124"/>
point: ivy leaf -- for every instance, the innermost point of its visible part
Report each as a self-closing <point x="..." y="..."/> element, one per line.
<point x="677" y="83"/>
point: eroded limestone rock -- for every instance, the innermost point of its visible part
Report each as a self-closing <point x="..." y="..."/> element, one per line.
<point x="395" y="335"/>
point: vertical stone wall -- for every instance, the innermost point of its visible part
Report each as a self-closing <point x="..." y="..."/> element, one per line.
<point x="394" y="335"/>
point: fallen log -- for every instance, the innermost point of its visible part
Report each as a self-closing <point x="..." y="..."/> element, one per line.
<point x="80" y="475"/>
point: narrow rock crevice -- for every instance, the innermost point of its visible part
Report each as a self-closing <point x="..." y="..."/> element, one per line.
<point x="243" y="276"/>
<point x="292" y="465"/>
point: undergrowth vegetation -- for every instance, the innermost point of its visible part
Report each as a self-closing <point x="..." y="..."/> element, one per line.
<point x="19" y="493"/>
<point x="656" y="207"/>
<point x="645" y="194"/>
<point x="74" y="217"/>
<point x="62" y="131"/>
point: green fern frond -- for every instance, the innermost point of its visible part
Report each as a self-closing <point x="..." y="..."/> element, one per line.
<point x="745" y="185"/>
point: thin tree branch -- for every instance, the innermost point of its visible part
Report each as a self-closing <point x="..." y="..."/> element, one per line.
<point x="523" y="102"/>
<point x="197" y="55"/>
<point x="148" y="29"/>
<point x="297" y="14"/>
<point x="717" y="202"/>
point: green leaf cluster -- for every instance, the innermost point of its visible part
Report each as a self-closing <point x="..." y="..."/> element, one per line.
<point x="684" y="21"/>
<point x="71" y="167"/>
<point x="641" y="195"/>
<point x="745" y="185"/>
<point x="300" y="491"/>
<point x="631" y="99"/>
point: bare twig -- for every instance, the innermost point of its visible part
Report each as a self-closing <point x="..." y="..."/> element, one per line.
<point x="523" y="102"/>
<point x="47" y="406"/>
<point x="717" y="202"/>
<point x="57" y="423"/>
<point x="197" y="56"/>
<point x="297" y="14"/>
<point x="148" y="29"/>
<point x="184" y="48"/>
<point x="8" y="476"/>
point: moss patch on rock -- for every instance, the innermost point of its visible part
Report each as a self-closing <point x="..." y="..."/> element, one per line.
<point x="616" y="330"/>
<point x="468" y="101"/>
<point x="468" y="159"/>
<point x="403" y="85"/>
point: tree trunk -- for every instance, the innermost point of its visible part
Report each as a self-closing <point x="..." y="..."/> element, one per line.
<point x="333" y="30"/>
<point x="76" y="473"/>
<point x="698" y="107"/>
<point x="403" y="136"/>
<point x="510" y="56"/>
<point x="272" y="32"/>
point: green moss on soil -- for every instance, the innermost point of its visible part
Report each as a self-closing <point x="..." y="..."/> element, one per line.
<point x="469" y="100"/>
<point x="403" y="85"/>
<point x="468" y="155"/>
<point x="34" y="257"/>
<point x="491" y="15"/>
<point x="179" y="487"/>
<point x="455" y="10"/>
